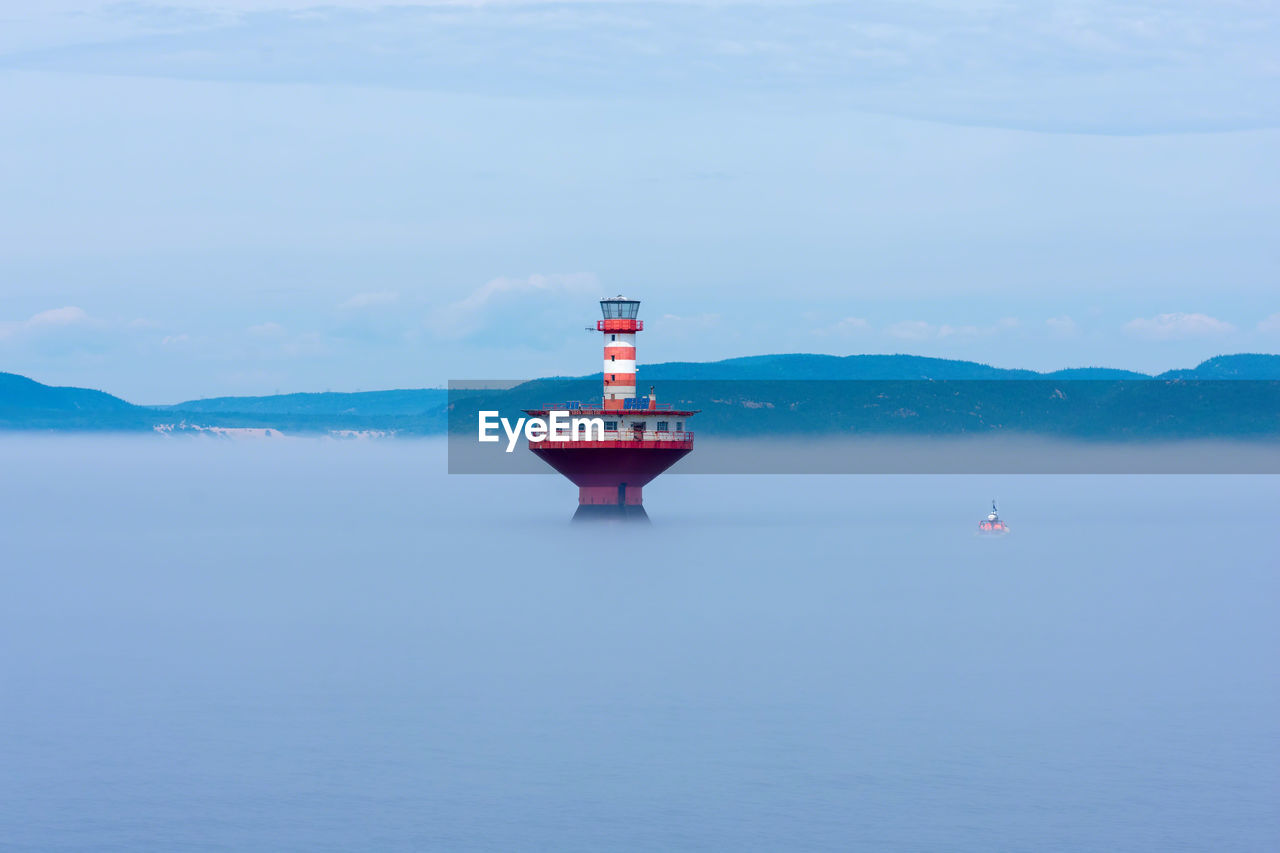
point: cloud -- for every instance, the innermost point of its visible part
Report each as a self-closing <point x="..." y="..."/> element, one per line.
<point x="699" y="319"/>
<point x="305" y="345"/>
<point x="847" y="326"/>
<point x="503" y="296"/>
<point x="272" y="340"/>
<point x="1062" y="327"/>
<point x="1128" y="64"/>
<point x="686" y="326"/>
<point x="919" y="330"/>
<point x="1270" y="325"/>
<point x="266" y="330"/>
<point x="911" y="330"/>
<point x="1177" y="326"/>
<point x="54" y="318"/>
<point x="58" y="317"/>
<point x="1003" y="325"/>
<point x="371" y="300"/>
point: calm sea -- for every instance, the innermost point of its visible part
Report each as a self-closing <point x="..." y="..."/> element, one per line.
<point x="318" y="645"/>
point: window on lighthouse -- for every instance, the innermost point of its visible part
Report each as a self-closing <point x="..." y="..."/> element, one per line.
<point x="662" y="426"/>
<point x="613" y="358"/>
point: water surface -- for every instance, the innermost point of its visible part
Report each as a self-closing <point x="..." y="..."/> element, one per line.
<point x="319" y="645"/>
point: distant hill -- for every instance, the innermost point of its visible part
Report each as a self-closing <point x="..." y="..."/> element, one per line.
<point x="803" y="394"/>
<point x="1138" y="409"/>
<point x="407" y="412"/>
<point x="359" y="403"/>
<point x="1242" y="366"/>
<point x="18" y="393"/>
<point x="806" y="366"/>
<point x="29" y="405"/>
<point x="1095" y="374"/>
<point x="26" y="404"/>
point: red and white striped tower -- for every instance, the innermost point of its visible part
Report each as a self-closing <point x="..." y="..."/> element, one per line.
<point x="619" y="327"/>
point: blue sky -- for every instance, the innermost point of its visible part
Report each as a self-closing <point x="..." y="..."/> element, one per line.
<point x="265" y="195"/>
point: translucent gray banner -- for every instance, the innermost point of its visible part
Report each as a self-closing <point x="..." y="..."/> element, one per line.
<point x="910" y="426"/>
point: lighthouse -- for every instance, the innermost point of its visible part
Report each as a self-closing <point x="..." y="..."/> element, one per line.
<point x="619" y="327"/>
<point x="641" y="439"/>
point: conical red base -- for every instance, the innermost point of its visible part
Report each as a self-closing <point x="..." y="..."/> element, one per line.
<point x="610" y="476"/>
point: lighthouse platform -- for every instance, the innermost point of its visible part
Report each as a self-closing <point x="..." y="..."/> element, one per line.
<point x="638" y="445"/>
